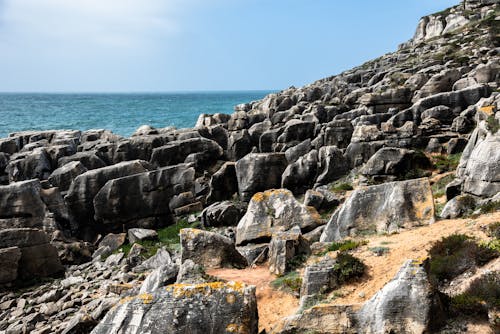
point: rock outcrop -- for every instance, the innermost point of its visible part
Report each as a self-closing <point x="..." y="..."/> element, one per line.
<point x="381" y="208"/>
<point x="187" y="309"/>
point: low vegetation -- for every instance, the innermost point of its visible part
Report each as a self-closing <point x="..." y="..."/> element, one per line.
<point x="290" y="282"/>
<point x="455" y="254"/>
<point x="341" y="187"/>
<point x="348" y="267"/>
<point x="446" y="162"/>
<point x="379" y="250"/>
<point x="439" y="187"/>
<point x="345" y="245"/>
<point x="483" y="294"/>
<point x="493" y="124"/>
<point x="167" y="237"/>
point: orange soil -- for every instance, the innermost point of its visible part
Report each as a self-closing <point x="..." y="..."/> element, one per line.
<point x="272" y="305"/>
<point x="410" y="244"/>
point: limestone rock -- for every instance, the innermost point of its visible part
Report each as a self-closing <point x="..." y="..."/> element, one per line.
<point x="142" y="195"/>
<point x="209" y="249"/>
<point x="392" y="309"/>
<point x="273" y="211"/>
<point x="21" y="205"/>
<point x="63" y="176"/>
<point x="258" y="172"/>
<point x="223" y="214"/>
<point x="284" y="247"/>
<point x="382" y="208"/>
<point x="139" y="234"/>
<point x="187" y="309"/>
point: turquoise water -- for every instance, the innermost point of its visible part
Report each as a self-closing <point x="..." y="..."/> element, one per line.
<point x="121" y="113"/>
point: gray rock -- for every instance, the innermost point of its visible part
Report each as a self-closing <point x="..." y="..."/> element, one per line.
<point x="319" y="278"/>
<point x="143" y="195"/>
<point x="223" y="214"/>
<point x="21" y="205"/>
<point x="191" y="273"/>
<point x="223" y="183"/>
<point x="394" y="161"/>
<point x="80" y="197"/>
<point x="382" y="208"/>
<point x="187" y="309"/>
<point x="9" y="261"/>
<point x="88" y="159"/>
<point x="35" y="164"/>
<point x="177" y="152"/>
<point x="458" y="206"/>
<point x="259" y="171"/>
<point x="332" y="165"/>
<point x="300" y="175"/>
<point x="161" y="276"/>
<point x="209" y="249"/>
<point x="138" y="234"/>
<point x="284" y="247"/>
<point x="161" y="258"/>
<point x="38" y="257"/>
<point x="392" y="309"/>
<point x="273" y="211"/>
<point x="63" y="176"/>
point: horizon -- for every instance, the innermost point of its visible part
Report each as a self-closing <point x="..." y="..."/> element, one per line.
<point x="153" y="46"/>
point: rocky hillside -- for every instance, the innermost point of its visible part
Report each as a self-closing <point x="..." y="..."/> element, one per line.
<point x="105" y="234"/>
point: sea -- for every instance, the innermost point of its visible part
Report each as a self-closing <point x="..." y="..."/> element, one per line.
<point x="120" y="113"/>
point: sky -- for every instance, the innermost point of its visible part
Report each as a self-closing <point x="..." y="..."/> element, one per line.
<point x="194" y="45"/>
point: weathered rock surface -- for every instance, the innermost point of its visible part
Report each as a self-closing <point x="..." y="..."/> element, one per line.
<point x="386" y="207"/>
<point x="273" y="211"/>
<point x="259" y="172"/>
<point x="284" y="247"/>
<point x="21" y="205"/>
<point x="143" y="195"/>
<point x="393" y="309"/>
<point x="209" y="249"/>
<point x="187" y="309"/>
<point x="223" y="214"/>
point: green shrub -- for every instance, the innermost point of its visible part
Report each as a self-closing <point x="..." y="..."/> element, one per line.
<point x="348" y="267"/>
<point x="493" y="124"/>
<point x="290" y="282"/>
<point x="439" y="187"/>
<point x="379" y="250"/>
<point x="445" y="163"/>
<point x="341" y="187"/>
<point x="490" y="207"/>
<point x="482" y="294"/>
<point x="345" y="245"/>
<point x="453" y="255"/>
<point x="494" y="230"/>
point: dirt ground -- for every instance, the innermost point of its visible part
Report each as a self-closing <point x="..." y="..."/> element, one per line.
<point x="273" y="305"/>
<point x="411" y="244"/>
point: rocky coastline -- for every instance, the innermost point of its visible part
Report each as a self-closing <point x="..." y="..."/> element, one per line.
<point x="105" y="234"/>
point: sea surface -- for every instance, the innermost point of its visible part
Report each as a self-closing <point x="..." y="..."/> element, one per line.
<point x="121" y="113"/>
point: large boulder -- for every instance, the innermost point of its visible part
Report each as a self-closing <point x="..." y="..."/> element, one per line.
<point x="382" y="208"/>
<point x="38" y="258"/>
<point x="223" y="183"/>
<point x="9" y="262"/>
<point x="63" y="176"/>
<point x="144" y="195"/>
<point x="407" y="304"/>
<point x="258" y="172"/>
<point x="223" y="214"/>
<point x="300" y="175"/>
<point x="331" y="165"/>
<point x="186" y="309"/>
<point x="88" y="159"/>
<point x="481" y="168"/>
<point x="21" y="205"/>
<point x="35" y="164"/>
<point x="176" y="152"/>
<point x="273" y="211"/>
<point x="209" y="249"/>
<point x="80" y="197"/>
<point x="395" y="161"/>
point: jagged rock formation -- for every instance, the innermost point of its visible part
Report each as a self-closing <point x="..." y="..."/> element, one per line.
<point x="368" y="124"/>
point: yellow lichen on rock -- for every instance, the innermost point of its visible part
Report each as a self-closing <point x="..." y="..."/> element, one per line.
<point x="189" y="290"/>
<point x="146" y="298"/>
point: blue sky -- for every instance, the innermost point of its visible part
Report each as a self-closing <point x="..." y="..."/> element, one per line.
<point x="179" y="45"/>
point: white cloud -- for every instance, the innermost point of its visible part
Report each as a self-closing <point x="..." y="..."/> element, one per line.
<point x="94" y="23"/>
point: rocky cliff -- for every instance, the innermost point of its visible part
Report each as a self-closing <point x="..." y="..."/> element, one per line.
<point x="272" y="182"/>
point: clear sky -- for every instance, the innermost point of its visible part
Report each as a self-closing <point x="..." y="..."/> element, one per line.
<point x="178" y="45"/>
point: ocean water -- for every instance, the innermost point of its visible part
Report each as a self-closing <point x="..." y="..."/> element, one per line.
<point x="121" y="113"/>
